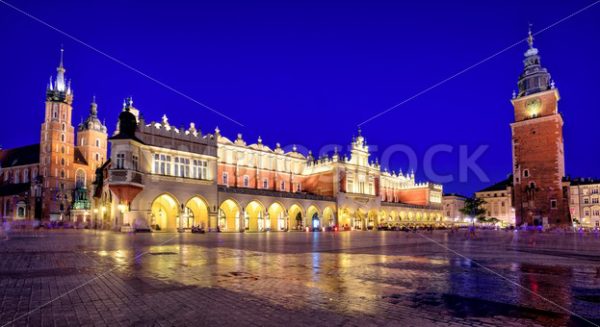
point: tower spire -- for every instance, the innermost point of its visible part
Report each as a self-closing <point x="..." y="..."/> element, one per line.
<point x="530" y="38"/>
<point x="60" y="76"/>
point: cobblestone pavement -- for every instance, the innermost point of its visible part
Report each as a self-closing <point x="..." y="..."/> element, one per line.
<point x="72" y="278"/>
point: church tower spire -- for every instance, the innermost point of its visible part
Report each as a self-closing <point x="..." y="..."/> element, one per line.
<point x="59" y="89"/>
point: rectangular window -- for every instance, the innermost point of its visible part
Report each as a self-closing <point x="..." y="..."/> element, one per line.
<point x="299" y="187"/>
<point x="134" y="161"/>
<point x="265" y="183"/>
<point x="225" y="179"/>
<point x="283" y="186"/>
<point x="553" y="204"/>
<point x="594" y="191"/>
<point x="246" y="181"/>
<point x="199" y="169"/>
<point x="120" y="160"/>
<point x="176" y="167"/>
<point x="595" y="200"/>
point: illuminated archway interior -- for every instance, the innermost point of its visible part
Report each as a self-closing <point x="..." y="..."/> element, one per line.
<point x="295" y="217"/>
<point x="229" y="216"/>
<point x="164" y="213"/>
<point x="312" y="217"/>
<point x="276" y="217"/>
<point x="196" y="213"/>
<point x="254" y="216"/>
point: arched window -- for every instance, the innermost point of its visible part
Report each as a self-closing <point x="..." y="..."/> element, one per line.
<point x="97" y="143"/>
<point x="80" y="178"/>
<point x="62" y="161"/>
<point x="55" y="111"/>
<point x="62" y="173"/>
<point x="62" y="137"/>
<point x="97" y="157"/>
<point x="526" y="173"/>
<point x="17" y="181"/>
<point x="64" y="127"/>
<point x="82" y="141"/>
<point x="26" y="176"/>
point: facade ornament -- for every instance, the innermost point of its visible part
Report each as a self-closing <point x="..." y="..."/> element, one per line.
<point x="217" y="131"/>
<point x="259" y="140"/>
<point x="294" y="148"/>
<point x="165" y="120"/>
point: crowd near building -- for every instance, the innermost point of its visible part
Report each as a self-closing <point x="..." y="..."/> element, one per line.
<point x="162" y="177"/>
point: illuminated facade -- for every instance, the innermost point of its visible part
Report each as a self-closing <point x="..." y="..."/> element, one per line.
<point x="499" y="202"/>
<point x="161" y="177"/>
<point x="585" y="201"/>
<point x="51" y="180"/>
<point x="452" y="204"/>
<point x="538" y="149"/>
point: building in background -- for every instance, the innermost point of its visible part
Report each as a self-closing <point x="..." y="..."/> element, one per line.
<point x="499" y="201"/>
<point x="452" y="204"/>
<point x="51" y="180"/>
<point x="162" y="177"/>
<point x="584" y="201"/>
<point x="537" y="146"/>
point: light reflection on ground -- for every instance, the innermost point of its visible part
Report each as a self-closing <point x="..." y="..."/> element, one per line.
<point x="300" y="278"/>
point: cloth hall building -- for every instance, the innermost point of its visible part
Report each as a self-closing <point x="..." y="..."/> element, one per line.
<point x="162" y="177"/>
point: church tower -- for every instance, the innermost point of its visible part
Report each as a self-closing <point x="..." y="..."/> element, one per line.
<point x="538" y="151"/>
<point x="92" y="140"/>
<point x="56" y="146"/>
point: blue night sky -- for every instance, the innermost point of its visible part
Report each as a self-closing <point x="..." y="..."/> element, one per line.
<point x="310" y="72"/>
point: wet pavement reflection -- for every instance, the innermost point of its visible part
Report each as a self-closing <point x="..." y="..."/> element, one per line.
<point x="347" y="278"/>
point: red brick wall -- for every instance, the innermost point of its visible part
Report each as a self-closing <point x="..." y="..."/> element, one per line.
<point x="538" y="148"/>
<point x="416" y="196"/>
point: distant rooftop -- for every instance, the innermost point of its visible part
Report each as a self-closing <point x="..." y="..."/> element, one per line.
<point x="500" y="186"/>
<point x="25" y="155"/>
<point x="585" y="181"/>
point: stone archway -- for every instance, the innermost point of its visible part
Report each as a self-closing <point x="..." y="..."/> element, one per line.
<point x="164" y="213"/>
<point x="296" y="217"/>
<point x="254" y="216"/>
<point x="277" y="216"/>
<point x="196" y="213"/>
<point x="313" y="217"/>
<point x="229" y="218"/>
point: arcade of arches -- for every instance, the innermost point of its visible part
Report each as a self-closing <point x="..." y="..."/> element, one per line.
<point x="167" y="213"/>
